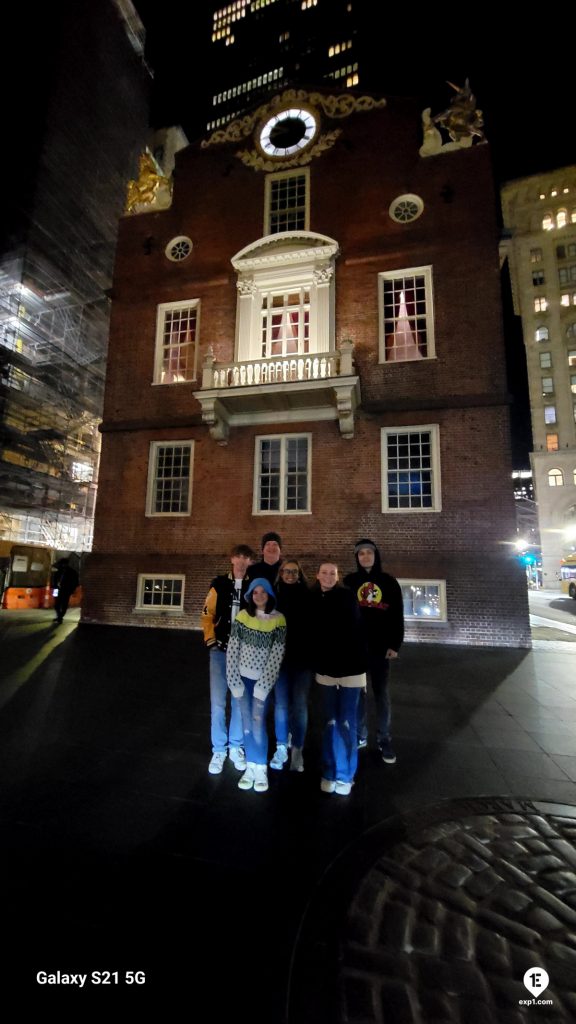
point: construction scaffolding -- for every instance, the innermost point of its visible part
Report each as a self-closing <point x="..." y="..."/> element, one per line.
<point x="52" y="362"/>
<point x="56" y="262"/>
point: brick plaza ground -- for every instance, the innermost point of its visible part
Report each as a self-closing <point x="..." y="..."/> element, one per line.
<point x="121" y="853"/>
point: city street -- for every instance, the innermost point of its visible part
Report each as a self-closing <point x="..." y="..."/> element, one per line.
<point x="552" y="616"/>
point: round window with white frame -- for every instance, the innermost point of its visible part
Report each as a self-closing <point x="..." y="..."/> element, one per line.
<point x="179" y="248"/>
<point x="404" y="209"/>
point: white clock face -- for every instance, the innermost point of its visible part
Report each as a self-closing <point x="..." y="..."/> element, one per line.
<point x="288" y="132"/>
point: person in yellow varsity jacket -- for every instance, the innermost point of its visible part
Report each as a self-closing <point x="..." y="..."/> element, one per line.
<point x="222" y="604"/>
<point x="253" y="660"/>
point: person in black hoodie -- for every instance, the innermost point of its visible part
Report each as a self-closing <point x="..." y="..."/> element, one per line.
<point x="379" y="597"/>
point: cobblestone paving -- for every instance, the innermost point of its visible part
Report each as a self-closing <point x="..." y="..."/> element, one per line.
<point x="445" y="924"/>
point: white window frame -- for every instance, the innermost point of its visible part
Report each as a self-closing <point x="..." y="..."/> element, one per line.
<point x="172" y="609"/>
<point x="151" y="487"/>
<point x="285" y="263"/>
<point x="441" y="584"/>
<point x="394" y="275"/>
<point x="297" y="172"/>
<point x="282" y="511"/>
<point x="434" y="431"/>
<point x="162" y="309"/>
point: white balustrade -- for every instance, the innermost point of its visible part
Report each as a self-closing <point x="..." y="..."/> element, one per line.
<point x="283" y="370"/>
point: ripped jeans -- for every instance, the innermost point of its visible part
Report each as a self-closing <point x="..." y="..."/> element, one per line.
<point x="253" y="713"/>
<point x="339" y="741"/>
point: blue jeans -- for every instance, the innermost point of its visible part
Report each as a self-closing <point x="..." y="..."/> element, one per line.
<point x="219" y="734"/>
<point x="254" y="724"/>
<point x="379" y="671"/>
<point x="291" y="704"/>
<point x="339" y="740"/>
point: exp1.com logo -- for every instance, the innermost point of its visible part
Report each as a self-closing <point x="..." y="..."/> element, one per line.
<point x="536" y="981"/>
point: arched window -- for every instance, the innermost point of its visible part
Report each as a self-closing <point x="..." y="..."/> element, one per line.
<point x="574" y="476"/>
<point x="561" y="218"/>
<point x="547" y="222"/>
<point x="542" y="334"/>
<point x="571" y="331"/>
<point x="555" y="478"/>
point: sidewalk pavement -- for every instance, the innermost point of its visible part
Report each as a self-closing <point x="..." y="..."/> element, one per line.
<point x="424" y="896"/>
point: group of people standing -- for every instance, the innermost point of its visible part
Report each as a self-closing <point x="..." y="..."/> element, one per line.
<point x="269" y="635"/>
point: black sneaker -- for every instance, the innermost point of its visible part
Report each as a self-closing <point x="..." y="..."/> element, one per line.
<point x="388" y="755"/>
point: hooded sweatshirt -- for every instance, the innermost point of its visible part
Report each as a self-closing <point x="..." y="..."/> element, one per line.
<point x="379" y="598"/>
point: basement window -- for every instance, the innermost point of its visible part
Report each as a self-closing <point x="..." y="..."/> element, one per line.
<point x="160" y="593"/>
<point x="424" y="600"/>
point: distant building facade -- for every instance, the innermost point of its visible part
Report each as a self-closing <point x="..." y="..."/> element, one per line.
<point x="540" y="224"/>
<point x="309" y="340"/>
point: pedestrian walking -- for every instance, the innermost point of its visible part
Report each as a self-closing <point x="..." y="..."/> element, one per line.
<point x="253" y="659"/>
<point x="65" y="581"/>
<point x="339" y="661"/>
<point x="379" y="598"/>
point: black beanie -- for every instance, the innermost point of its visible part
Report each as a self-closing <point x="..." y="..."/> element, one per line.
<point x="272" y="536"/>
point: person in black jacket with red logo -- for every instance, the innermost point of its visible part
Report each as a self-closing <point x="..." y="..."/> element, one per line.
<point x="379" y="598"/>
<point x="222" y="604"/>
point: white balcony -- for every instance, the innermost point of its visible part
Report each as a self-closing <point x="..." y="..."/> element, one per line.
<point x="286" y="389"/>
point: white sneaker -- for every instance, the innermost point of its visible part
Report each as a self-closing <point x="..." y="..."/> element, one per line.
<point x="217" y="762"/>
<point x="296" y="760"/>
<point x="327" y="785"/>
<point x="343" y="788"/>
<point x="238" y="758"/>
<point x="246" y="781"/>
<point x="280" y="757"/>
<point x="260" y="778"/>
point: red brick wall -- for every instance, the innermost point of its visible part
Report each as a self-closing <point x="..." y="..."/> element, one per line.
<point x="219" y="202"/>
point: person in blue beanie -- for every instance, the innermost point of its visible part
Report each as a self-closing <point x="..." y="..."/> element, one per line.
<point x="253" y="660"/>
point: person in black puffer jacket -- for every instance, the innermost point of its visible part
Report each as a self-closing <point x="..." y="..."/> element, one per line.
<point x="339" y="663"/>
<point x="379" y="598"/>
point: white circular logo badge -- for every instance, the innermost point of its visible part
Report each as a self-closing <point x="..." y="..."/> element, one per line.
<point x="536" y="980"/>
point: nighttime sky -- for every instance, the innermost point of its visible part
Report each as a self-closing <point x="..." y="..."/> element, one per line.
<point x="526" y="98"/>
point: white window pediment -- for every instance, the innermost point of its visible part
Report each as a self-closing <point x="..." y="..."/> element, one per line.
<point x="285" y="247"/>
<point x="285" y="295"/>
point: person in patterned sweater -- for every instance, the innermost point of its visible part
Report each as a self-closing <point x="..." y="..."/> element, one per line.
<point x="253" y="659"/>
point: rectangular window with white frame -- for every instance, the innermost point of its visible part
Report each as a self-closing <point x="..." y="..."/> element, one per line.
<point x="424" y="600"/>
<point x="287" y="201"/>
<point x="160" y="593"/>
<point x="286" y="322"/>
<point x="170" y="478"/>
<point x="282" y="474"/>
<point x="176" y="354"/>
<point x="406" y="315"/>
<point x="411" y="469"/>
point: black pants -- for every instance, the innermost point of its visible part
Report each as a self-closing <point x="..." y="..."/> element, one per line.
<point x="61" y="603"/>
